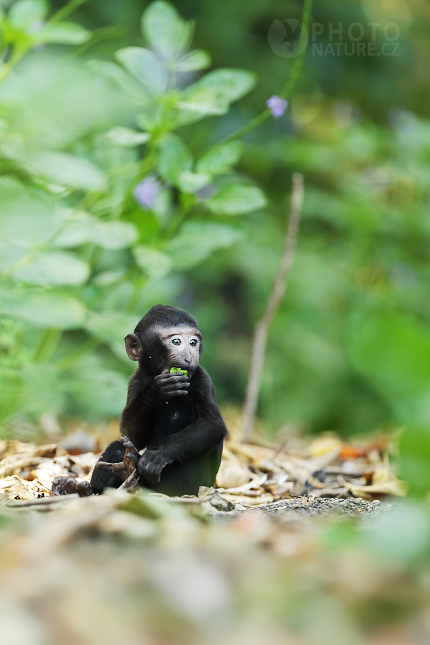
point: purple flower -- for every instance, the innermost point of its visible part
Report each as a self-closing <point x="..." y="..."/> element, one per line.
<point x="277" y="106"/>
<point x="146" y="192"/>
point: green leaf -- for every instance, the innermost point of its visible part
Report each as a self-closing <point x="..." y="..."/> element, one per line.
<point x="197" y="240"/>
<point x="26" y="216"/>
<point x="26" y="13"/>
<point x="114" y="235"/>
<point x="110" y="326"/>
<point x="220" y="158"/>
<point x="91" y="375"/>
<point x="236" y="199"/>
<point x="11" y="398"/>
<point x="10" y="254"/>
<point x="152" y="262"/>
<point x="64" y="33"/>
<point x="174" y="158"/>
<point x="165" y="30"/>
<point x="53" y="268"/>
<point x="126" y="137"/>
<point x="393" y="353"/>
<point x="191" y="182"/>
<point x="414" y="459"/>
<point x="193" y="61"/>
<point x="122" y="79"/>
<point x="146" y="67"/>
<point x="42" y="389"/>
<point x="229" y="84"/>
<point x="213" y="93"/>
<point x="42" y="308"/>
<point x="76" y="228"/>
<point x="399" y="538"/>
<point x="202" y="101"/>
<point x="67" y="170"/>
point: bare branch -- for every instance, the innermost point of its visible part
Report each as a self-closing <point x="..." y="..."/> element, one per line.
<point x="278" y="290"/>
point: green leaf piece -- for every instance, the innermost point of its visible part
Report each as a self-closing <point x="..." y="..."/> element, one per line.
<point x="220" y="158"/>
<point x="174" y="158"/>
<point x="146" y="67"/>
<point x="54" y="269"/>
<point x="236" y="199"/>
<point x="174" y="370"/>
<point x="165" y="31"/>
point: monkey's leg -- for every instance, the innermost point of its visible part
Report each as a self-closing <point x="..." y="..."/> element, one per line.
<point x="115" y="465"/>
<point x="69" y="486"/>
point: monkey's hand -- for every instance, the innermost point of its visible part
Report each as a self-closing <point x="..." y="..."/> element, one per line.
<point x="124" y="468"/>
<point x="69" y="486"/>
<point x="168" y="385"/>
<point x="151" y="464"/>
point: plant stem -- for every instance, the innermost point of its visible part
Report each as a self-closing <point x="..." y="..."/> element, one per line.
<point x="278" y="290"/>
<point x="65" y="11"/>
<point x="14" y="59"/>
<point x="47" y="345"/>
<point x="289" y="86"/>
<point x="136" y="295"/>
<point x="71" y="360"/>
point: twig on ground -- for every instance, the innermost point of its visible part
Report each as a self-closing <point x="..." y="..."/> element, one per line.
<point x="278" y="290"/>
<point x="131" y="481"/>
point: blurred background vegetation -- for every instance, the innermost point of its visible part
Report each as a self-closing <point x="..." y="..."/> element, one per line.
<point x="114" y="198"/>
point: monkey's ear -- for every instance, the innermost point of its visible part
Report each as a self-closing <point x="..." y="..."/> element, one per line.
<point x="133" y="346"/>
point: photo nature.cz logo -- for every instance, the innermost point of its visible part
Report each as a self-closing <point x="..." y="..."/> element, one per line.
<point x="356" y="39"/>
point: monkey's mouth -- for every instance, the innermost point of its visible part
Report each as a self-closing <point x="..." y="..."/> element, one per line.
<point x="184" y="368"/>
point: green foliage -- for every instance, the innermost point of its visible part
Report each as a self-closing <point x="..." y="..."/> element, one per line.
<point x="414" y="460"/>
<point x="83" y="246"/>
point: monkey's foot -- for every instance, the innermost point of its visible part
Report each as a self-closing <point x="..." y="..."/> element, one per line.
<point x="124" y="469"/>
<point x="69" y="486"/>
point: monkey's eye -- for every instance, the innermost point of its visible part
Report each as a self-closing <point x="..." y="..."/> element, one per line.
<point x="193" y="342"/>
<point x="176" y="341"/>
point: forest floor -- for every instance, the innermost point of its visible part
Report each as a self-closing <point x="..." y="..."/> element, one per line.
<point x="285" y="550"/>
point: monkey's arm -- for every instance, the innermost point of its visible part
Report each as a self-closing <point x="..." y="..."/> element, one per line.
<point x="143" y="396"/>
<point x="199" y="437"/>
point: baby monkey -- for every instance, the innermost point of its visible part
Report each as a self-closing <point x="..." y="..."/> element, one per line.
<point x="173" y="415"/>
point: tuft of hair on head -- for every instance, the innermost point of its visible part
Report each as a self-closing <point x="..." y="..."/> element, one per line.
<point x="165" y="316"/>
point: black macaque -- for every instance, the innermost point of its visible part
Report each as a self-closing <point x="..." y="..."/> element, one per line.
<point x="174" y="416"/>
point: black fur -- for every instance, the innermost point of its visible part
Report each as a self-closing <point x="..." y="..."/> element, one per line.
<point x="183" y="436"/>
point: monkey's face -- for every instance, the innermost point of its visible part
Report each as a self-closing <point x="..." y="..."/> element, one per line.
<point x="183" y="346"/>
<point x="165" y="347"/>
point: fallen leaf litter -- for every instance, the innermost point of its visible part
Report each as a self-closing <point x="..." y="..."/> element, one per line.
<point x="326" y="475"/>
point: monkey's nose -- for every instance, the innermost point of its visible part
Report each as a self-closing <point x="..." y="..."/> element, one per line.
<point x="187" y="360"/>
